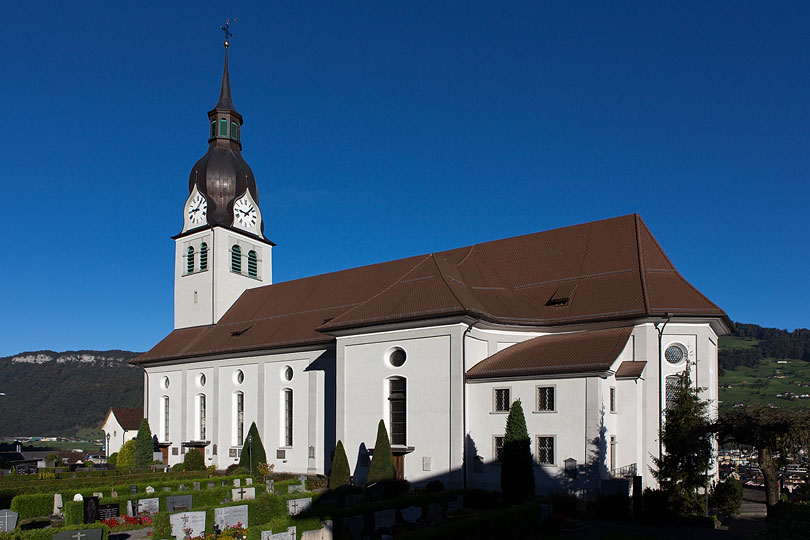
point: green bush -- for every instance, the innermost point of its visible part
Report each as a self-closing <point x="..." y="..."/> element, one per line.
<point x="113" y="459"/>
<point x="340" y="474"/>
<point x="382" y="462"/>
<point x="143" y="446"/>
<point x="194" y="461"/>
<point x="162" y="526"/>
<point x="47" y="533"/>
<point x="517" y="472"/>
<point x="32" y="506"/>
<point x="126" y="456"/>
<point x="254" y="452"/>
<point x="727" y="496"/>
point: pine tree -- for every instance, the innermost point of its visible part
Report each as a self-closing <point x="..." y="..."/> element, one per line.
<point x="687" y="439"/>
<point x="143" y="446"/>
<point x="517" y="474"/>
<point x="194" y="460"/>
<point x="254" y="452"/>
<point x="340" y="474"/>
<point x="382" y="463"/>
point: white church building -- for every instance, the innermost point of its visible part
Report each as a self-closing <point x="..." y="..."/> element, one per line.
<point x="586" y="325"/>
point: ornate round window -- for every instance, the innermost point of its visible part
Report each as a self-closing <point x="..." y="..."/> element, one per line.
<point x="287" y="373"/>
<point x="675" y="354"/>
<point x="164" y="382"/>
<point x="396" y="357"/>
<point x="201" y="380"/>
<point x="238" y="377"/>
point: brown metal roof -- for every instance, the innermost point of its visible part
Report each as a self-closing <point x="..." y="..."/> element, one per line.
<point x="130" y="419"/>
<point x="575" y="352"/>
<point x="630" y="370"/>
<point x="608" y="270"/>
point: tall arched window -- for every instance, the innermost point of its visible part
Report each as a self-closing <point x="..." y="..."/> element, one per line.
<point x="253" y="268"/>
<point x="236" y="259"/>
<point x="203" y="256"/>
<point x="287" y="397"/>
<point x="672" y="384"/>
<point x="164" y="418"/>
<point x="396" y="404"/>
<point x="201" y="414"/>
<point x="223" y="128"/>
<point x="190" y="260"/>
<point x="239" y="418"/>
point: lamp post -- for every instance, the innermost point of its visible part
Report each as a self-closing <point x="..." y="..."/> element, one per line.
<point x="250" y="452"/>
<point x="107" y="447"/>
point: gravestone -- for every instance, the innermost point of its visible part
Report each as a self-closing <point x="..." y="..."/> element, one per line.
<point x="249" y="481"/>
<point x="237" y="482"/>
<point x="296" y="506"/>
<point x="302" y="478"/>
<point x="455" y="505"/>
<point x="113" y="494"/>
<point x="196" y="486"/>
<point x="230" y="516"/>
<point x="244" y="494"/>
<point x="545" y="512"/>
<point x="133" y="489"/>
<point x="166" y="488"/>
<point x="211" y="485"/>
<point x="130" y="511"/>
<point x="385" y="519"/>
<point x="224" y="483"/>
<point x="78" y="498"/>
<point x="91" y="509"/>
<point x="82" y="534"/>
<point x="175" y="503"/>
<point x="355" y="525"/>
<point x="107" y="511"/>
<point x="181" y="487"/>
<point x="8" y="520"/>
<point x="434" y="513"/>
<point x="57" y="505"/>
<point x="98" y="494"/>
<point x="411" y="514"/>
<point x="149" y="489"/>
<point x="295" y="488"/>
<point x="270" y="485"/>
<point x="289" y="534"/>
<point x="188" y="520"/>
<point x="324" y="533"/>
<point x="150" y="506"/>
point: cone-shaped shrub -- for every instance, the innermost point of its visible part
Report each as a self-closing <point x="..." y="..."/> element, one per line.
<point x="143" y="446"/>
<point x="256" y="453"/>
<point x="382" y="463"/>
<point x="517" y="475"/>
<point x="340" y="468"/>
<point x="194" y="460"/>
<point x="126" y="456"/>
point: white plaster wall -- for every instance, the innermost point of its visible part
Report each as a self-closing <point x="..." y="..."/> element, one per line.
<point x="188" y="310"/>
<point x="118" y="435"/>
<point x="176" y="407"/>
<point x="228" y="286"/>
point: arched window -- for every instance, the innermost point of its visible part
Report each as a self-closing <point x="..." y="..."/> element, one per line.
<point x="252" y="264"/>
<point x="287" y="397"/>
<point x="672" y="385"/>
<point x="223" y="128"/>
<point x="201" y="417"/>
<point x="164" y="418"/>
<point x="213" y="128"/>
<point x="396" y="404"/>
<point x="236" y="259"/>
<point x="239" y="417"/>
<point x="203" y="256"/>
<point x="190" y="260"/>
<point x="234" y="132"/>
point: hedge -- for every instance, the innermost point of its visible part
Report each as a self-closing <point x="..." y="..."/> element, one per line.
<point x="47" y="533"/>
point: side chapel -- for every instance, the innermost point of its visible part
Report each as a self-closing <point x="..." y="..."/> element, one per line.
<point x="587" y="325"/>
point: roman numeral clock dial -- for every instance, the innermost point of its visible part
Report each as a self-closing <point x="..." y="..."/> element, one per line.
<point x="198" y="209"/>
<point x="245" y="213"/>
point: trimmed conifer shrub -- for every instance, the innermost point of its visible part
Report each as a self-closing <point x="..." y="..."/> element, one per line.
<point x="340" y="474"/>
<point x="382" y="463"/>
<point x="126" y="456"/>
<point x="143" y="446"/>
<point x="256" y="453"/>
<point x="194" y="460"/>
<point x="517" y="475"/>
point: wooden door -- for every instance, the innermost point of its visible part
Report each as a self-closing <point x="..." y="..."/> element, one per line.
<point x="399" y="466"/>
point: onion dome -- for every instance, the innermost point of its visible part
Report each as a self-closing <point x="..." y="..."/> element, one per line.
<point x="222" y="175"/>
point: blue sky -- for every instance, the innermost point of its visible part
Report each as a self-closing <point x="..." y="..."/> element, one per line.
<point x="381" y="130"/>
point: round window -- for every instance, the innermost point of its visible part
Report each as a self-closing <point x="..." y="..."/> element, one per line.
<point x="165" y="383"/>
<point x="201" y="380"/>
<point x="675" y="354"/>
<point x="397" y="357"/>
<point x="287" y="373"/>
<point x="238" y="376"/>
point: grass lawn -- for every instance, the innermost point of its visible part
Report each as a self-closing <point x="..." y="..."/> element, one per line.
<point x="759" y="386"/>
<point x="734" y="342"/>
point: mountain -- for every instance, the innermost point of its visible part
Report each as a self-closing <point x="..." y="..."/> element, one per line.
<point x="49" y="393"/>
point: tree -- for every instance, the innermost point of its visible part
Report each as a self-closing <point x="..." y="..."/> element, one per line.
<point x="253" y="451"/>
<point x="382" y="463"/>
<point x="687" y="438"/>
<point x="728" y="496"/>
<point x="143" y="446"/>
<point x="194" y="460"/>
<point x="126" y="456"/>
<point x="777" y="434"/>
<point x="517" y="474"/>
<point x="340" y="474"/>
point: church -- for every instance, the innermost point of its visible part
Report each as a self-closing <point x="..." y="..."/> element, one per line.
<point x="588" y="326"/>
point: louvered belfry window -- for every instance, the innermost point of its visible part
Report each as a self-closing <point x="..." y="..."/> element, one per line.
<point x="203" y="256"/>
<point x="190" y="260"/>
<point x="236" y="259"/>
<point x="397" y="402"/>
<point x="253" y="270"/>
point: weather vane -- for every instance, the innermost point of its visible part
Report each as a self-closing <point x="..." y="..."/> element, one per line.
<point x="227" y="29"/>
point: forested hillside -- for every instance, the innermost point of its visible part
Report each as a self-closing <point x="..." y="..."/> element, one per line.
<point x="755" y="343"/>
<point x="49" y="393"/>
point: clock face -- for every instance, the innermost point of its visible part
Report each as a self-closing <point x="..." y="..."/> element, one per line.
<point x="198" y="209"/>
<point x="245" y="213"/>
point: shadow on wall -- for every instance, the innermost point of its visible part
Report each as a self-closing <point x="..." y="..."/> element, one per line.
<point x="326" y="363"/>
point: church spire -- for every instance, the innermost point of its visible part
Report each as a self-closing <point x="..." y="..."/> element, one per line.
<point x="225" y="101"/>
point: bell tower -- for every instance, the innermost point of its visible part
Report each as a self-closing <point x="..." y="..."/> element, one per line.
<point x="222" y="250"/>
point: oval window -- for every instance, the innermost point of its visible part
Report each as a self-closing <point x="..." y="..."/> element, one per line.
<point x="397" y="357"/>
<point x="201" y="380"/>
<point x="675" y="354"/>
<point x="288" y="373"/>
<point x="165" y="383"/>
<point x="238" y="376"/>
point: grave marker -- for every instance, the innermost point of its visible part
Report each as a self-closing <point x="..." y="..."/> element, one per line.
<point x="188" y="520"/>
<point x="150" y="506"/>
<point x="230" y="516"/>
<point x="181" y="487"/>
<point x="296" y="506"/>
<point x="149" y="489"/>
<point x="83" y="534"/>
<point x="113" y="494"/>
<point x="289" y="534"/>
<point x="179" y="502"/>
<point x="244" y="494"/>
<point x="237" y="482"/>
<point x="57" y="504"/>
<point x="411" y="514"/>
<point x="133" y="489"/>
<point x="385" y="519"/>
<point x="8" y="520"/>
<point x="166" y="488"/>
<point x="78" y="497"/>
<point x="355" y="524"/>
<point x="98" y="494"/>
<point x="91" y="509"/>
<point x="196" y="486"/>
<point x="270" y="485"/>
<point x="211" y="485"/>
<point x="249" y="481"/>
<point x="107" y="511"/>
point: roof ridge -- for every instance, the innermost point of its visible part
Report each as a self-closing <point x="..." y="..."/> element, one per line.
<point x="446" y="284"/>
<point x="641" y="266"/>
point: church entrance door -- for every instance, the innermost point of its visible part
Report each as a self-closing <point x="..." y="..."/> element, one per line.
<point x="399" y="466"/>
